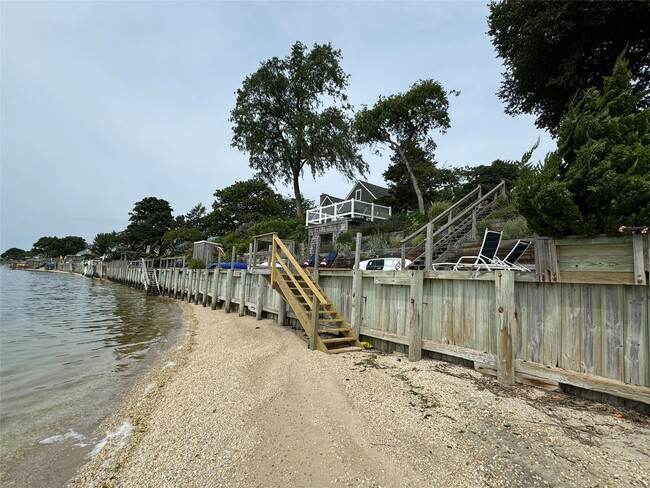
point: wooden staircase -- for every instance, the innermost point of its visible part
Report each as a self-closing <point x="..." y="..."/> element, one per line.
<point x="326" y="328"/>
<point x="150" y="280"/>
<point x="461" y="221"/>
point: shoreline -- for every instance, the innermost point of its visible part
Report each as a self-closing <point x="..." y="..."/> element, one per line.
<point x="245" y="403"/>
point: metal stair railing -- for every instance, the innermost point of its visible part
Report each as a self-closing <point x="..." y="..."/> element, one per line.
<point x="462" y="218"/>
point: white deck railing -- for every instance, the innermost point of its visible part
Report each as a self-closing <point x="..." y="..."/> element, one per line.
<point x="349" y="209"/>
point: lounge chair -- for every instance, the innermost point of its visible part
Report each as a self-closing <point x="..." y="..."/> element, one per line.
<point x="310" y="262"/>
<point x="328" y="261"/>
<point x="485" y="258"/>
<point x="510" y="261"/>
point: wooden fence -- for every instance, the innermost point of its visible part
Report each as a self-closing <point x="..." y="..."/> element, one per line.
<point x="591" y="336"/>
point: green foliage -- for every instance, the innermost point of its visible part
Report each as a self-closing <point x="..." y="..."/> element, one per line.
<point x="196" y="218"/>
<point x="437" y="208"/>
<point x="291" y="115"/>
<point x="414" y="221"/>
<point x="196" y="264"/>
<point x="14" y="254"/>
<point x="150" y="219"/>
<point x="247" y="202"/>
<point x="346" y="241"/>
<point x="489" y="176"/>
<point x="54" y="246"/>
<point x="290" y="229"/>
<point x="434" y="182"/>
<point x="377" y="243"/>
<point x="178" y="240"/>
<point x="599" y="177"/>
<point x="396" y="223"/>
<point x="104" y="243"/>
<point x="404" y="122"/>
<point x="555" y="51"/>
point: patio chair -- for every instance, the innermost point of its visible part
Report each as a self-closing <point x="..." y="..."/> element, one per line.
<point x="328" y="261"/>
<point x="510" y="261"/>
<point x="483" y="261"/>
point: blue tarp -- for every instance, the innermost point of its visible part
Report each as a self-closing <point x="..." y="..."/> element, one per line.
<point x="227" y="265"/>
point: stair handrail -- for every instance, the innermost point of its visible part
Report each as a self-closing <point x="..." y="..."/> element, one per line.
<point x="458" y="217"/>
<point x="277" y="259"/>
<point x="443" y="214"/>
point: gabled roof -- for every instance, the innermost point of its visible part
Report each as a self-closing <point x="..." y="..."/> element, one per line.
<point x="331" y="199"/>
<point x="375" y="190"/>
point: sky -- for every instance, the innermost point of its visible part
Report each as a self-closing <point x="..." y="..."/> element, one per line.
<point x="105" y="103"/>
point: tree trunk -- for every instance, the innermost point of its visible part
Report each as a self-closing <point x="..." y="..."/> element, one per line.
<point x="416" y="187"/>
<point x="296" y="193"/>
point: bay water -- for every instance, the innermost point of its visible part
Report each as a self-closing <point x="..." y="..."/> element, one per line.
<point x="70" y="350"/>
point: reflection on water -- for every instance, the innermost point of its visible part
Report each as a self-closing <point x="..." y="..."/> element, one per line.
<point x="69" y="348"/>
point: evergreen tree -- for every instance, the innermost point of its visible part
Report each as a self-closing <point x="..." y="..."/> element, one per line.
<point x="599" y="177"/>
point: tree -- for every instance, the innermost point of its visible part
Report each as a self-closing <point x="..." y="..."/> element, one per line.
<point x="489" y="175"/>
<point x="554" y="51"/>
<point x="104" y="242"/>
<point x="14" y="254"/>
<point x="436" y="183"/>
<point x="599" y="177"/>
<point x="282" y="120"/>
<point x="55" y="246"/>
<point x="247" y="202"/>
<point x="178" y="240"/>
<point x="196" y="218"/>
<point x="150" y="219"/>
<point x="405" y="121"/>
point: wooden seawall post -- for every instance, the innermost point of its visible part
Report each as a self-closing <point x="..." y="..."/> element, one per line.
<point x="506" y="318"/>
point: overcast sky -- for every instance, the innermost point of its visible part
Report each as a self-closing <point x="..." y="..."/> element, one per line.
<point x="106" y="103"/>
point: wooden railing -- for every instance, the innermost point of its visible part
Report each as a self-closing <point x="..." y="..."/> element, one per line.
<point x="454" y="214"/>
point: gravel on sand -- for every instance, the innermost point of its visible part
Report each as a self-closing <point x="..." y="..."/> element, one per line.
<point x="245" y="403"/>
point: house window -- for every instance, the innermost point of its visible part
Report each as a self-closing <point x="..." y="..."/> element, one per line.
<point x="357" y="194"/>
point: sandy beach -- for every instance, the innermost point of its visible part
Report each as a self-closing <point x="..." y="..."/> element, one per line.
<point x="245" y="403"/>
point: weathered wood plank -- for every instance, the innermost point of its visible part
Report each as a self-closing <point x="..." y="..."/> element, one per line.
<point x="638" y="260"/>
<point x="460" y="352"/>
<point x="571" y="333"/>
<point x="614" y="278"/>
<point x="415" y="324"/>
<point x="505" y="318"/>
<point x="613" y="365"/>
<point x="551" y="344"/>
<point x="636" y="359"/>
<point x="586" y="381"/>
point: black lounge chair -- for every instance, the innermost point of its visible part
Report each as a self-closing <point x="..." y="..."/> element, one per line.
<point x="485" y="258"/>
<point x="510" y="261"/>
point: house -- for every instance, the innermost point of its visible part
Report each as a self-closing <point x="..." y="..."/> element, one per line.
<point x="336" y="215"/>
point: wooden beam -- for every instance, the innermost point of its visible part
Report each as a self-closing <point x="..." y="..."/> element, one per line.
<point x="215" y="288"/>
<point x="243" y="277"/>
<point x="415" y="322"/>
<point x="506" y="316"/>
<point x="313" y="339"/>
<point x="259" y="297"/>
<point x="639" y="265"/>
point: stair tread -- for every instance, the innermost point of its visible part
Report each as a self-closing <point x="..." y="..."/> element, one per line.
<point x="337" y="340"/>
<point x="334" y="330"/>
<point x="341" y="350"/>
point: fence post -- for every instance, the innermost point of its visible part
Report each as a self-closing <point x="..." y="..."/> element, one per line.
<point x="316" y="260"/>
<point x="428" y="249"/>
<point x="313" y="340"/>
<point x="416" y="307"/>
<point x="259" y="298"/>
<point x="357" y="288"/>
<point x="206" y="271"/>
<point x="282" y="310"/>
<point x="229" y="281"/>
<point x="506" y="317"/>
<point x="215" y="288"/>
<point x="637" y="251"/>
<point x="243" y="277"/>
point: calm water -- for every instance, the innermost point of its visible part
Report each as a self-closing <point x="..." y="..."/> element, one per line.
<point x="70" y="349"/>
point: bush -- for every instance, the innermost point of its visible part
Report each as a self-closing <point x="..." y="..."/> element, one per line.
<point x="437" y="208"/>
<point x="196" y="264"/>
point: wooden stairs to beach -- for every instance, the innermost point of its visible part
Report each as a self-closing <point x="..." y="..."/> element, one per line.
<point x="326" y="328"/>
<point x="150" y="280"/>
